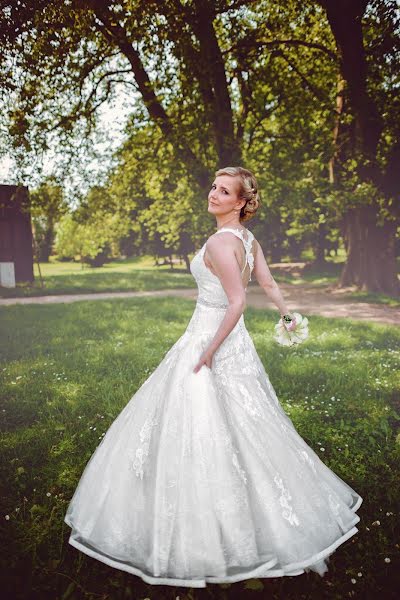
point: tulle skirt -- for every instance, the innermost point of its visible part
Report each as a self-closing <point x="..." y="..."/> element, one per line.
<point x="202" y="477"/>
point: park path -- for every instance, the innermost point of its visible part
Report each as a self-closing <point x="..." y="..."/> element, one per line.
<point x="305" y="298"/>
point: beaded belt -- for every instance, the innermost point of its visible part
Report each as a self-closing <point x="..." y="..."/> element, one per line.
<point x="212" y="304"/>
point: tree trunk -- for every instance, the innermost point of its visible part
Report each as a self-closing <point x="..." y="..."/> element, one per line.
<point x="46" y="246"/>
<point x="212" y="70"/>
<point x="276" y="253"/>
<point x="320" y="247"/>
<point x="371" y="259"/>
<point x="187" y="262"/>
<point x="370" y="264"/>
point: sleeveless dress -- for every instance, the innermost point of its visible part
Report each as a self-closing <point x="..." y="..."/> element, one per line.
<point x="202" y="477"/>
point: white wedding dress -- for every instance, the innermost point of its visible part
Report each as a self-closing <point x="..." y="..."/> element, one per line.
<point x="202" y="477"/>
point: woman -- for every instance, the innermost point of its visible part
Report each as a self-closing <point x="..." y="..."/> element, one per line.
<point x="202" y="477"/>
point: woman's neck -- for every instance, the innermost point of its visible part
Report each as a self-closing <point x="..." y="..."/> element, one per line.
<point x="233" y="225"/>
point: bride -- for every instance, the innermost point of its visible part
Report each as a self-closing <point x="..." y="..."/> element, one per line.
<point x="202" y="477"/>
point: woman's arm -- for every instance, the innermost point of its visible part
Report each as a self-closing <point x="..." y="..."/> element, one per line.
<point x="221" y="250"/>
<point x="267" y="282"/>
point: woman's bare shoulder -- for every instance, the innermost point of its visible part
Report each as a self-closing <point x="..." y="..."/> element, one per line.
<point x="217" y="239"/>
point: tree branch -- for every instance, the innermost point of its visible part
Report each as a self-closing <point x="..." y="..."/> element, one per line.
<point x="256" y="44"/>
<point x="109" y="25"/>
<point x="317" y="93"/>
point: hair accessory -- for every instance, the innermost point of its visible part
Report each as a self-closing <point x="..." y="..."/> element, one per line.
<point x="284" y="337"/>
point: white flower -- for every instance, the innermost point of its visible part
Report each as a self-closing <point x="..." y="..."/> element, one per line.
<point x="48" y="494"/>
<point x="359" y="574"/>
<point x="387" y="559"/>
<point x="296" y="336"/>
<point x="7" y="517"/>
<point x="353" y="580"/>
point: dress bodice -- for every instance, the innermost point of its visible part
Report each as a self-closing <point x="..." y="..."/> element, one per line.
<point x="211" y="291"/>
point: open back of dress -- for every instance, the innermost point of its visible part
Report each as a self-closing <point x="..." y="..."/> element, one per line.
<point x="248" y="248"/>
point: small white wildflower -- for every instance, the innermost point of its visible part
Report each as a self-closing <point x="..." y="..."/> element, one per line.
<point x="7" y="517"/>
<point x="353" y="580"/>
<point x="322" y="449"/>
<point x="359" y="574"/>
<point x="48" y="494"/>
<point x="387" y="560"/>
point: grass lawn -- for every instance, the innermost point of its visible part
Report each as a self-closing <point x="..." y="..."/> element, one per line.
<point x="68" y="370"/>
<point x="135" y="274"/>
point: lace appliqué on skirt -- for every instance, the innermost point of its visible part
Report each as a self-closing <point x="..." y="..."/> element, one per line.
<point x="138" y="456"/>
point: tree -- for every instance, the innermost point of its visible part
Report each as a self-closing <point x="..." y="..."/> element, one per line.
<point x="368" y="144"/>
<point x="92" y="232"/>
<point x="47" y="207"/>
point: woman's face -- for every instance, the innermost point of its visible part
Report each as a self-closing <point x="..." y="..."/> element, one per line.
<point x="223" y="197"/>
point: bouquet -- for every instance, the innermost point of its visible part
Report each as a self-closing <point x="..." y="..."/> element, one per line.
<point x="297" y="335"/>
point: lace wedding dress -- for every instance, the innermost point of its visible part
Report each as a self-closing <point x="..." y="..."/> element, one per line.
<point x="202" y="478"/>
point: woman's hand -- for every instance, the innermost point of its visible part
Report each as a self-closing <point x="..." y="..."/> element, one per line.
<point x="292" y="325"/>
<point x="205" y="359"/>
<point x="289" y="326"/>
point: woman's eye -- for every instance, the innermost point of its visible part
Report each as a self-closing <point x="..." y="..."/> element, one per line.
<point x="214" y="186"/>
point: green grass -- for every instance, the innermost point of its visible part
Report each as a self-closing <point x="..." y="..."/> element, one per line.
<point x="137" y="274"/>
<point x="67" y="371"/>
<point x="373" y="298"/>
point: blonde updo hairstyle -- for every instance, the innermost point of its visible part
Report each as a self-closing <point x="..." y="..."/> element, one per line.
<point x="248" y="190"/>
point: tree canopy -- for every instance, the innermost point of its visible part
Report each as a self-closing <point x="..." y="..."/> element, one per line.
<point x="303" y="93"/>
